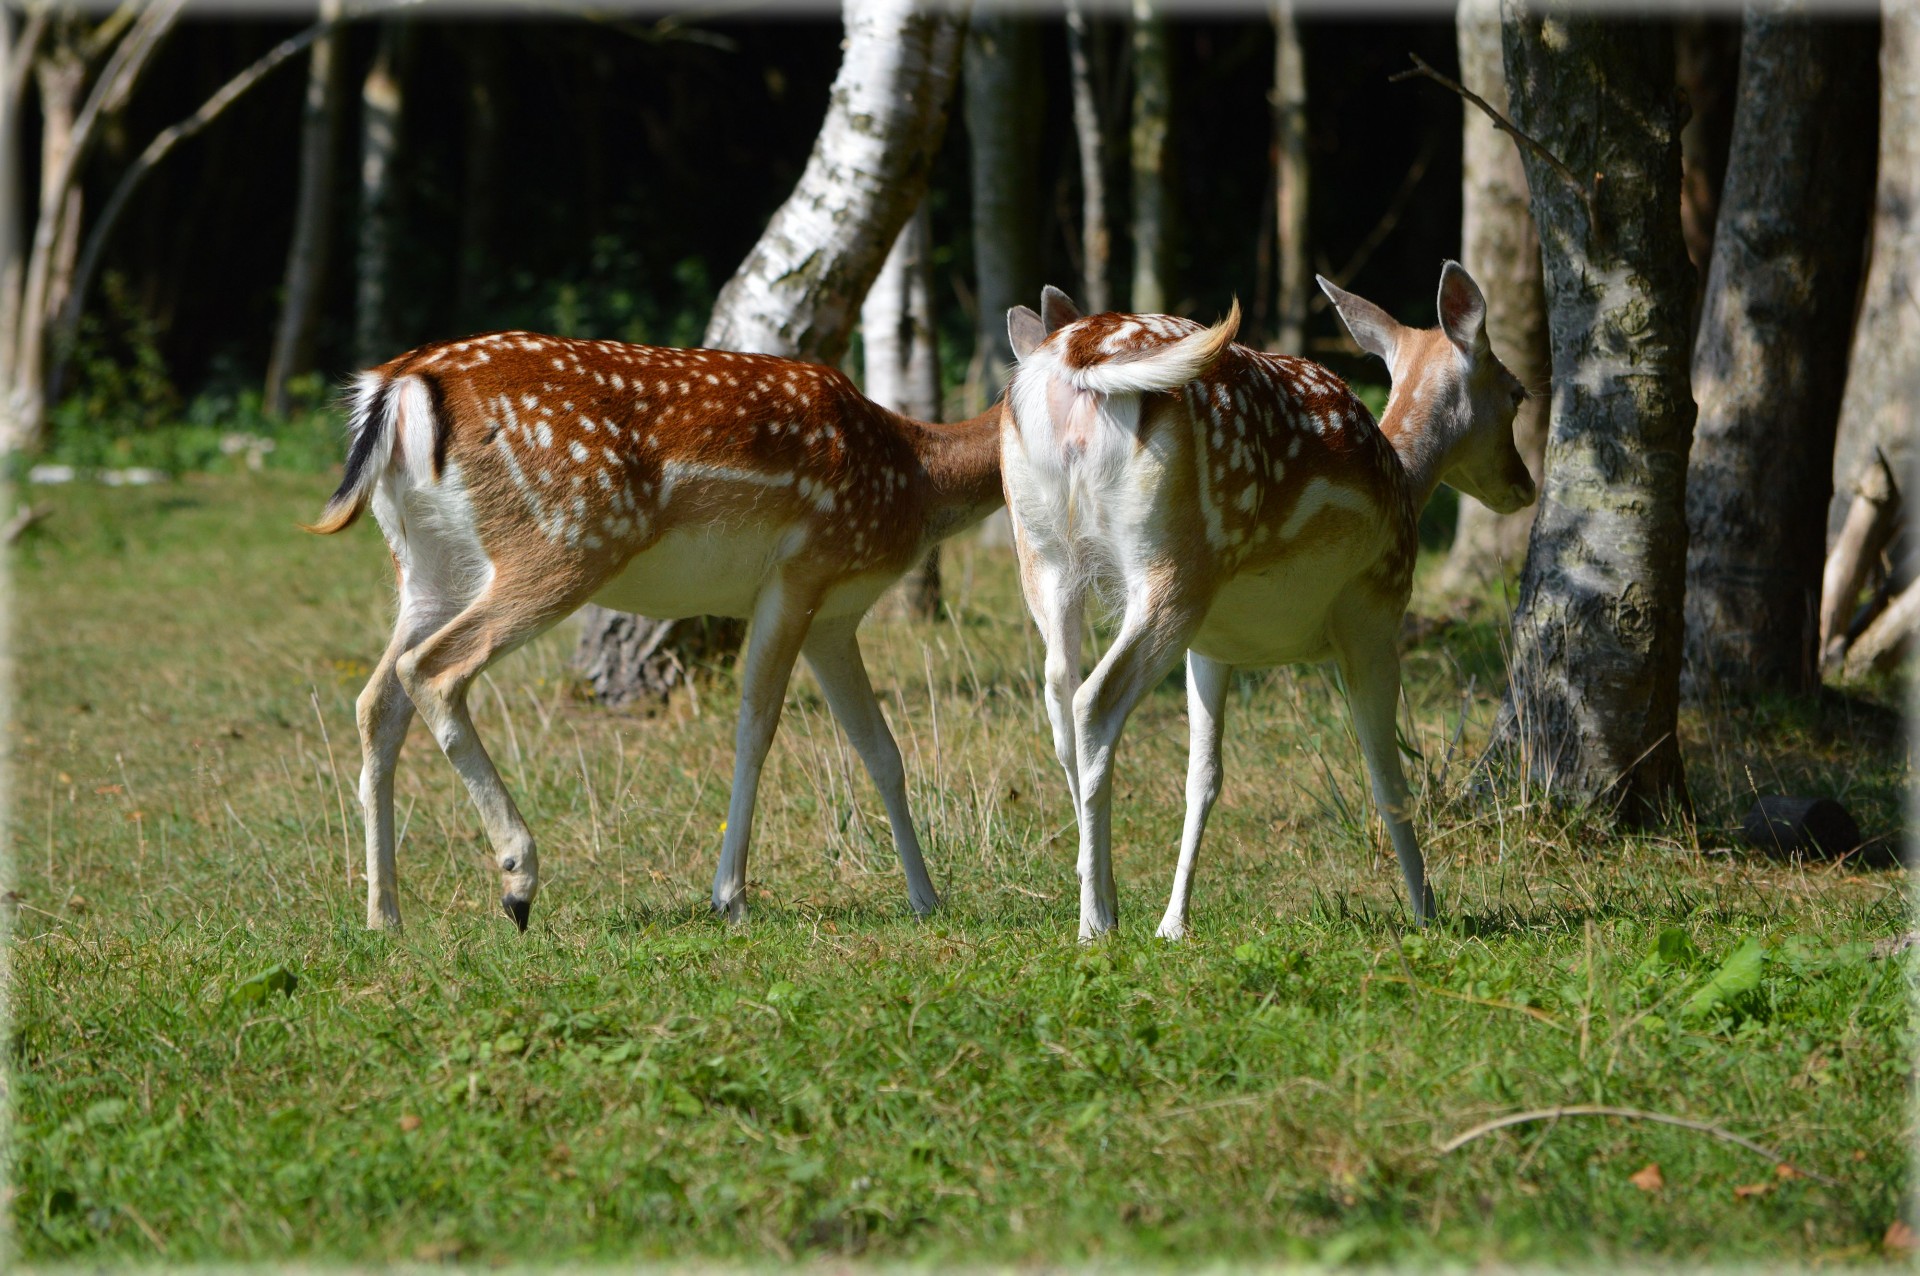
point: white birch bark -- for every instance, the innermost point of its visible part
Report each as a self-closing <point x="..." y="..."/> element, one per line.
<point x="292" y="351"/>
<point x="1096" y="245"/>
<point x="1290" y="181"/>
<point x="799" y="291"/>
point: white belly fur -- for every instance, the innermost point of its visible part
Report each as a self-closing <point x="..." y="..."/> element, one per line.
<point x="697" y="573"/>
<point x="1277" y="616"/>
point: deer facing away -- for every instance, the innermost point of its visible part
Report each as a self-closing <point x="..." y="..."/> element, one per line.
<point x="517" y="476"/>
<point x="1243" y="508"/>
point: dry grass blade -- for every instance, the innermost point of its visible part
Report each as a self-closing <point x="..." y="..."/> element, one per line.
<point x="1628" y="1114"/>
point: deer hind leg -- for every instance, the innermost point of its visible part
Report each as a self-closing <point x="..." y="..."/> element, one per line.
<point x="1058" y="603"/>
<point x="1370" y="662"/>
<point x="1157" y="625"/>
<point x="1207" y="681"/>
<point x="778" y="628"/>
<point x="437" y="674"/>
<point x="833" y="652"/>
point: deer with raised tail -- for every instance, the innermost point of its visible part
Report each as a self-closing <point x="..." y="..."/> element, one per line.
<point x="1243" y="508"/>
<point x="517" y="476"/>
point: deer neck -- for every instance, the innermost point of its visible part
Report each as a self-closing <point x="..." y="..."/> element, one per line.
<point x="1422" y="421"/>
<point x="962" y="464"/>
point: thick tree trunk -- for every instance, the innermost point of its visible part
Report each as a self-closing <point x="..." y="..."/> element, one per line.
<point x="292" y="352"/>
<point x="1004" y="101"/>
<point x="1290" y="182"/>
<point x="798" y="292"/>
<point x="382" y="102"/>
<point x="18" y="49"/>
<point x="1501" y="247"/>
<point x="1770" y="365"/>
<point x="1878" y="408"/>
<point x="1090" y="139"/>
<point x="1707" y="64"/>
<point x="903" y="369"/>
<point x="1152" y="98"/>
<point x="1597" y="635"/>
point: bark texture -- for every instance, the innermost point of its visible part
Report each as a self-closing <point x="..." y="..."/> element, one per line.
<point x="1707" y="63"/>
<point x="292" y="352"/>
<point x="1152" y="98"/>
<point x="1004" y="99"/>
<point x="1290" y="182"/>
<point x="1090" y="138"/>
<point x="1597" y="634"/>
<point x="1883" y="375"/>
<point x="382" y="101"/>
<point x="1770" y="364"/>
<point x="903" y="370"/>
<point x="799" y="291"/>
<point x="1500" y="246"/>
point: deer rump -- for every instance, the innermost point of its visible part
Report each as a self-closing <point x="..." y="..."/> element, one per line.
<point x="1089" y="410"/>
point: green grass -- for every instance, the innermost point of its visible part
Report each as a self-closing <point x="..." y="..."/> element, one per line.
<point x="632" y="1078"/>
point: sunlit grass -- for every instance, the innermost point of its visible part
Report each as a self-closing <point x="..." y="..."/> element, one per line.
<point x="634" y="1078"/>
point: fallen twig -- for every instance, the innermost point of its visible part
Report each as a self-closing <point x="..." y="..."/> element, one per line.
<point x="1630" y="1114"/>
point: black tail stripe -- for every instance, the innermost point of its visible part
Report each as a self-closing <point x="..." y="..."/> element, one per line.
<point x="437" y="397"/>
<point x="360" y="451"/>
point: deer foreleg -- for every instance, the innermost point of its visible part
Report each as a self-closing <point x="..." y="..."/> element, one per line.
<point x="833" y="652"/>
<point x="778" y="628"/>
<point x="1370" y="664"/>
<point x="1207" y="681"/>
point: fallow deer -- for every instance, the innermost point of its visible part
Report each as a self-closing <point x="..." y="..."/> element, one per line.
<point x="1244" y="508"/>
<point x="517" y="476"/>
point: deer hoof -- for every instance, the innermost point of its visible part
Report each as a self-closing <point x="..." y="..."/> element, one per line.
<point x="518" y="909"/>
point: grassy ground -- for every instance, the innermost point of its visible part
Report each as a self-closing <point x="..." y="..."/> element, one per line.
<point x="632" y="1078"/>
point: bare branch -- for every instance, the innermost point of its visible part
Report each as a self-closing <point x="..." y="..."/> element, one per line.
<point x="26" y="46"/>
<point x="156" y="151"/>
<point x="1630" y="1114"/>
<point x="1584" y="190"/>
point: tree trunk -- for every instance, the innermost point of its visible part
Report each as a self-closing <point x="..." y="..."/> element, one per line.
<point x="1152" y="98"/>
<point x="1873" y="520"/>
<point x="1089" y="131"/>
<point x="1004" y="104"/>
<point x="382" y="102"/>
<point x="1707" y="63"/>
<point x="480" y="181"/>
<point x="18" y="49"/>
<point x="1883" y="375"/>
<point x="127" y="38"/>
<point x="292" y="352"/>
<point x="1597" y="634"/>
<point x="1770" y="365"/>
<point x="903" y="370"/>
<point x="798" y="292"/>
<point x="1501" y="247"/>
<point x="1290" y="182"/>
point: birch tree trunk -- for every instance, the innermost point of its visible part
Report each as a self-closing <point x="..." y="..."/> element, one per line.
<point x="799" y="290"/>
<point x="1597" y="635"/>
<point x="1290" y="182"/>
<point x="1152" y="98"/>
<point x="1770" y="365"/>
<point x="382" y="102"/>
<point x="1004" y="105"/>
<point x="18" y="49"/>
<point x="292" y="352"/>
<point x="123" y="45"/>
<point x="1096" y="243"/>
<point x="1883" y="375"/>
<point x="902" y="370"/>
<point x="1501" y="247"/>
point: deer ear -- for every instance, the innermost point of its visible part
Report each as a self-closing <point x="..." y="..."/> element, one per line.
<point x="1373" y="329"/>
<point x="1024" y="331"/>
<point x="1057" y="309"/>
<point x="1463" y="309"/>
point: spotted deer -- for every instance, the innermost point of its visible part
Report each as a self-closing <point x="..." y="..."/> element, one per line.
<point x="517" y="476"/>
<point x="1243" y="508"/>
